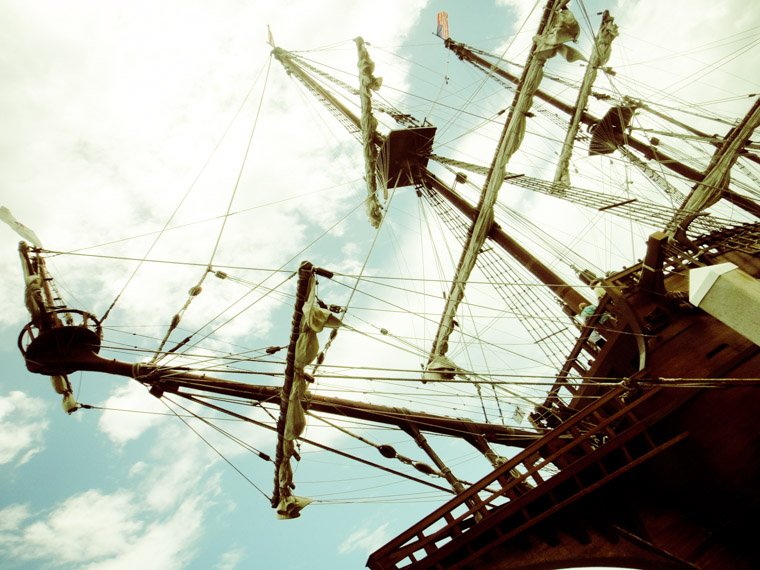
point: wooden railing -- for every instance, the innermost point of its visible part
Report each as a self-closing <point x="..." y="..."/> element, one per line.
<point x="601" y="442"/>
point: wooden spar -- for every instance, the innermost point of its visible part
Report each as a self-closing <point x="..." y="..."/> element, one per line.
<point x="586" y="118"/>
<point x="647" y="150"/>
<point x="565" y="292"/>
<point x="398" y="417"/>
<point x="304" y="276"/>
<point x="420" y="440"/>
<point x="484" y="218"/>
<point x="599" y="56"/>
<point x="284" y="57"/>
<point x="717" y="175"/>
<point x="57" y="351"/>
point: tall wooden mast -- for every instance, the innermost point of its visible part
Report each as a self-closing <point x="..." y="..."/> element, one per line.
<point x="402" y="149"/>
<point x="509" y="142"/>
<point x="647" y="150"/>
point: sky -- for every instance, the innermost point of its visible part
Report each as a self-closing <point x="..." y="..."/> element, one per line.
<point x="114" y="116"/>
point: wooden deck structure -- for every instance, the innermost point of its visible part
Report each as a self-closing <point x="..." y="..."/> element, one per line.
<point x="653" y="472"/>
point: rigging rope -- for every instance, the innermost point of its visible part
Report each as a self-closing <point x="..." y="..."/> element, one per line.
<point x="440" y="89"/>
<point x="385" y="450"/>
<point x="213" y="331"/>
<point x="195" y="398"/>
<point x="275" y="289"/>
<point x="219" y="453"/>
<point x="196" y="290"/>
<point x="187" y="193"/>
<point x="321" y="356"/>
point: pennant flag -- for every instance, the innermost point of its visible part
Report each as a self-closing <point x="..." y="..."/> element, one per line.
<point x="270" y="39"/>
<point x="443" y="26"/>
<point x="18" y="227"/>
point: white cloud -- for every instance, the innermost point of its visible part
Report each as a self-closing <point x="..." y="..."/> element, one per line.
<point x="122" y="427"/>
<point x="169" y="484"/>
<point x="107" y="532"/>
<point x="13" y="516"/>
<point x="230" y="559"/>
<point x="12" y="310"/>
<point x="365" y="539"/>
<point x="85" y="527"/>
<point x="138" y="468"/>
<point x="155" y="525"/>
<point x="22" y="427"/>
<point x="166" y="544"/>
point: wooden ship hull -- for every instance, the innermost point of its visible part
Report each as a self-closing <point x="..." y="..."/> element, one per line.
<point x="658" y="472"/>
<point x="645" y="450"/>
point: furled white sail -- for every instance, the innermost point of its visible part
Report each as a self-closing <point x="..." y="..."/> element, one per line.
<point x="561" y="27"/>
<point x="62" y="386"/>
<point x="565" y="28"/>
<point x="18" y="227"/>
<point x="368" y="83"/>
<point x="315" y="319"/>
<point x="718" y="175"/>
<point x="600" y="55"/>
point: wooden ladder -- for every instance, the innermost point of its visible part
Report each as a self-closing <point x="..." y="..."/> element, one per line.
<point x="598" y="444"/>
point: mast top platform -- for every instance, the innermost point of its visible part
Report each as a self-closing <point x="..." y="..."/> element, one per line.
<point x="403" y="153"/>
<point x="60" y="349"/>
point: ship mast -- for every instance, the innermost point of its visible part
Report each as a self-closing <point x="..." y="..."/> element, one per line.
<point x="714" y="183"/>
<point x="511" y="137"/>
<point x="58" y="349"/>
<point x="52" y="344"/>
<point x="403" y="157"/>
<point x="600" y="54"/>
<point x="648" y="151"/>
<point x="408" y="166"/>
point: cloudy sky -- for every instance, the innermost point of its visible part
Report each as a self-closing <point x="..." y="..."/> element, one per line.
<point x="120" y="120"/>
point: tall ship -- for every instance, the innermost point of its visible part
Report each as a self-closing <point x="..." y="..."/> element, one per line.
<point x="525" y="302"/>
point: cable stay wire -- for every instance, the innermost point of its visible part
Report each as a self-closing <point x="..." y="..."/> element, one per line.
<point x="275" y="289"/>
<point x="197" y="288"/>
<point x="208" y="443"/>
<point x="199" y="222"/>
<point x="198" y="398"/>
<point x="187" y="193"/>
